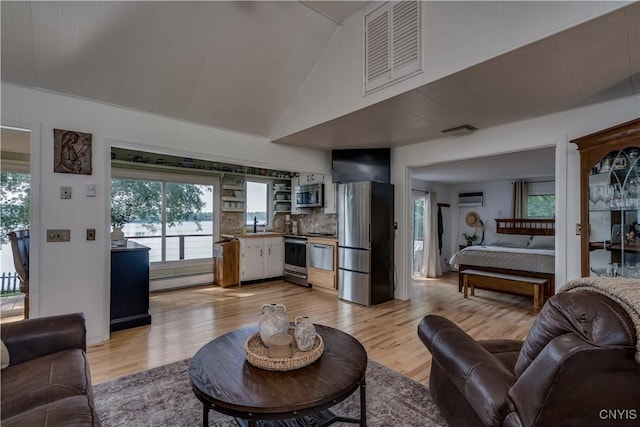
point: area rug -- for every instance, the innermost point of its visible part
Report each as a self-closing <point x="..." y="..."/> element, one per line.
<point x="163" y="397"/>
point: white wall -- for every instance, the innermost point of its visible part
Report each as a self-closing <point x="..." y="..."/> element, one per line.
<point x="69" y="277"/>
<point x="552" y="130"/>
<point x="455" y="36"/>
<point x="497" y="197"/>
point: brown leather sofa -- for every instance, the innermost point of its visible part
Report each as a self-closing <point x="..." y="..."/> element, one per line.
<point x="575" y="368"/>
<point x="47" y="382"/>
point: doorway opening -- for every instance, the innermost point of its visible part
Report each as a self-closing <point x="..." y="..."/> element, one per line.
<point x="15" y="200"/>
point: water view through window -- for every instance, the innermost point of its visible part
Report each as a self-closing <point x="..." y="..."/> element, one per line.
<point x="182" y="231"/>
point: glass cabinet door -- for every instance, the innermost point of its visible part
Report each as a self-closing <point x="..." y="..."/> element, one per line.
<point x="614" y="221"/>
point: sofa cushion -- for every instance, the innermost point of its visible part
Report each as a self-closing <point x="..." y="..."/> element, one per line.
<point x="71" y="411"/>
<point x="44" y="380"/>
<point x="4" y="355"/>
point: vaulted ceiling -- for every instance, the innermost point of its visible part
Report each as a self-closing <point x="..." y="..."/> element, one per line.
<point x="238" y="65"/>
<point x="234" y="65"/>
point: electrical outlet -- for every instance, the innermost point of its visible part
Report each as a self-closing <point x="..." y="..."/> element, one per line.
<point x="578" y="229"/>
<point x="58" y="235"/>
<point x="91" y="234"/>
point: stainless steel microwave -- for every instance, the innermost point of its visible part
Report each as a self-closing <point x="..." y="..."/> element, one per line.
<point x="309" y="196"/>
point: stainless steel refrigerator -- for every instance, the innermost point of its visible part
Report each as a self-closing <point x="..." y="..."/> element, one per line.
<point x="365" y="242"/>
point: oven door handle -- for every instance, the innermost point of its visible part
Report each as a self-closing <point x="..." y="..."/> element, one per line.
<point x="295" y="241"/>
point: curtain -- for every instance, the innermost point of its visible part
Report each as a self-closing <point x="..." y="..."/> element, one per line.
<point x="431" y="259"/>
<point x="519" y="199"/>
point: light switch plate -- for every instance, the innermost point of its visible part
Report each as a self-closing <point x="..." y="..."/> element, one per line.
<point x="65" y="192"/>
<point x="91" y="190"/>
<point x="59" y="235"/>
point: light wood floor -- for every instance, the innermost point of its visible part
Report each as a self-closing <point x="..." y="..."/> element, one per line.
<point x="184" y="320"/>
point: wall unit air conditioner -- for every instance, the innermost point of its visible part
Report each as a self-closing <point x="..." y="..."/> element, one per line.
<point x="475" y="198"/>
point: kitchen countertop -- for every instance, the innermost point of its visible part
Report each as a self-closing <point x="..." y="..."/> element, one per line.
<point x="250" y="235"/>
<point x="129" y="246"/>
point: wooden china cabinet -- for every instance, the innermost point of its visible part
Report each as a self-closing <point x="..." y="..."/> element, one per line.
<point x="610" y="201"/>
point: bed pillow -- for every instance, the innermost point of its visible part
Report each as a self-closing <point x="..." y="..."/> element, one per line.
<point x="542" y="242"/>
<point x="509" y="241"/>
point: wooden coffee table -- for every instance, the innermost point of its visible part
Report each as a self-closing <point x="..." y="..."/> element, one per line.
<point x="224" y="381"/>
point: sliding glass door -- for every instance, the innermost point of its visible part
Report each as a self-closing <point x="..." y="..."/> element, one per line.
<point x="175" y="219"/>
<point x="418" y="202"/>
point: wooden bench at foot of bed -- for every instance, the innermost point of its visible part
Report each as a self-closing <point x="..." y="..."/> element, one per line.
<point x="521" y="285"/>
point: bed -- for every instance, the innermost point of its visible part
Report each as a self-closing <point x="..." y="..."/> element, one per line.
<point x="523" y="248"/>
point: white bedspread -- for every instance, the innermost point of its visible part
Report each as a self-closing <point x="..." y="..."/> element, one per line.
<point x="524" y="259"/>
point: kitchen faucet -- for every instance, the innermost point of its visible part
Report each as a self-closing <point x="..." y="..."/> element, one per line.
<point x="255" y="224"/>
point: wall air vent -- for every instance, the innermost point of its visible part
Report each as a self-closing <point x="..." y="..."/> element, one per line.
<point x="475" y="198"/>
<point x="392" y="43"/>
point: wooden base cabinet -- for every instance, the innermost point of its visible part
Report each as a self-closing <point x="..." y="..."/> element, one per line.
<point x="129" y="287"/>
<point x="226" y="266"/>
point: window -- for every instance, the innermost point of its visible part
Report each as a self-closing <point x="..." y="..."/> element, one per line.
<point x="419" y="202"/>
<point x="257" y="203"/>
<point x="174" y="219"/>
<point x="541" y="200"/>
<point x="541" y="206"/>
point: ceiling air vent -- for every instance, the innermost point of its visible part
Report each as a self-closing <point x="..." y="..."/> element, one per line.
<point x="392" y="44"/>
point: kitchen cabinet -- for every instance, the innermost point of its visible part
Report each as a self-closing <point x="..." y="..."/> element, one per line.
<point x="609" y="201"/>
<point x="274" y="257"/>
<point x="310" y="178"/>
<point x="330" y="196"/>
<point x="129" y="287"/>
<point x="261" y="258"/>
<point x="225" y="263"/>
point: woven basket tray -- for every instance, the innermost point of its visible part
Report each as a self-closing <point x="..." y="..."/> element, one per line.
<point x="258" y="355"/>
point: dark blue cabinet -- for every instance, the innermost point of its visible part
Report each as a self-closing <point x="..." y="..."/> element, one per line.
<point x="129" y="286"/>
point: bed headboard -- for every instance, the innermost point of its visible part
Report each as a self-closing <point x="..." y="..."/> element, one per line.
<point x="528" y="226"/>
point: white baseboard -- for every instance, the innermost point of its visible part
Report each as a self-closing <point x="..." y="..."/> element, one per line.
<point x="180" y="282"/>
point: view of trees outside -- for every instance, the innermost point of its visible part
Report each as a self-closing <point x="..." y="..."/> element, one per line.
<point x="418" y="232"/>
<point x="543" y="206"/>
<point x="136" y="206"/>
<point x="14" y="197"/>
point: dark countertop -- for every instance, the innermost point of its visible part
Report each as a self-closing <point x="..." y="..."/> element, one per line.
<point x="130" y="246"/>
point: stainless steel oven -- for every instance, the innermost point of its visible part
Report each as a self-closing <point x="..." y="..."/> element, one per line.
<point x="295" y="259"/>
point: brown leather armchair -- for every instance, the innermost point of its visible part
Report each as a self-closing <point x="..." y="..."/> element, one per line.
<point x="575" y="368"/>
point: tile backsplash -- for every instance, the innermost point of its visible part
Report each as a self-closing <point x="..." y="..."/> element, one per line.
<point x="317" y="222"/>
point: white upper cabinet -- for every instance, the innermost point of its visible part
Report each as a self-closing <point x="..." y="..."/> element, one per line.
<point x="330" y="196"/>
